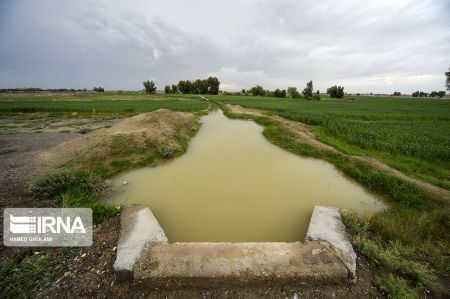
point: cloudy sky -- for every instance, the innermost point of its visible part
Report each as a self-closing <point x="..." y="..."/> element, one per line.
<point x="367" y="46"/>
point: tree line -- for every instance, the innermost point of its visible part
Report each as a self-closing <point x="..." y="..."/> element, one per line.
<point x="421" y="94"/>
<point x="292" y="92"/>
<point x="199" y="86"/>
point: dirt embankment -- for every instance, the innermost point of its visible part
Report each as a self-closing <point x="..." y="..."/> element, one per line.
<point x="303" y="132"/>
<point x="160" y="127"/>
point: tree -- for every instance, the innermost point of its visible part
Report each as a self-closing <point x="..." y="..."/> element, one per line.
<point x="149" y="86"/>
<point x="203" y="87"/>
<point x="257" y="90"/>
<point x="397" y="93"/>
<point x="437" y="94"/>
<point x="167" y="89"/>
<point x="213" y="85"/>
<point x="420" y="94"/>
<point x="98" y="89"/>
<point x="183" y="86"/>
<point x="292" y="92"/>
<point x="195" y="87"/>
<point x="447" y="83"/>
<point x="336" y="91"/>
<point x="243" y="90"/>
<point x="279" y="93"/>
<point x="308" y="90"/>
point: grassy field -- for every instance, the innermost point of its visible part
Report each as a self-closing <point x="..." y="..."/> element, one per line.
<point x="412" y="135"/>
<point x="98" y="102"/>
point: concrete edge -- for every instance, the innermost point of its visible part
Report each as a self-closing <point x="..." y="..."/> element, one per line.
<point x="326" y="225"/>
<point x="138" y="230"/>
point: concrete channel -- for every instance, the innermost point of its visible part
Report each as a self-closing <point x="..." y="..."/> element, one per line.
<point x="144" y="254"/>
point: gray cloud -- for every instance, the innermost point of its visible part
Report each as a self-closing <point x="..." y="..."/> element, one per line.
<point x="370" y="46"/>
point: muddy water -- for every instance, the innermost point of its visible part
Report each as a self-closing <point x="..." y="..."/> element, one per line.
<point x="234" y="185"/>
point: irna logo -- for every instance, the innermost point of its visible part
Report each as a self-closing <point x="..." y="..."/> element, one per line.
<point x="45" y="224"/>
<point x="47" y="227"/>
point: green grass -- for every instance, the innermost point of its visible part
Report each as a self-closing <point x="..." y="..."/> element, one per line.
<point x="396" y="287"/>
<point x="101" y="106"/>
<point x="99" y="103"/>
<point x="19" y="278"/>
<point x="409" y="134"/>
<point x="409" y="241"/>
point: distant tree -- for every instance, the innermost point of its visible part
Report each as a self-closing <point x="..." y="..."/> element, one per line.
<point x="420" y="94"/>
<point x="279" y="93"/>
<point x="292" y="92"/>
<point x="447" y="83"/>
<point x="257" y="90"/>
<point x="397" y="93"/>
<point x="437" y="94"/>
<point x="243" y="90"/>
<point x="195" y="87"/>
<point x="308" y="90"/>
<point x="336" y="91"/>
<point x="184" y="86"/>
<point x="98" y="89"/>
<point x="167" y="89"/>
<point x="174" y="88"/>
<point x="213" y="85"/>
<point x="188" y="87"/>
<point x="203" y="86"/>
<point x="149" y="86"/>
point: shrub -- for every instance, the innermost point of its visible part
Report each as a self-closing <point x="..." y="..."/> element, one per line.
<point x="84" y="131"/>
<point x="166" y="152"/>
<point x="55" y="183"/>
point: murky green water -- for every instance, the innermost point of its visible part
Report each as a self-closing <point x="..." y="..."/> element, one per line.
<point x="234" y="185"/>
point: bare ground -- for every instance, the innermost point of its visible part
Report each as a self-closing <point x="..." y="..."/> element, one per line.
<point x="303" y="133"/>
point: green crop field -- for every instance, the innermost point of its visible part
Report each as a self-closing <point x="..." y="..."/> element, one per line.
<point x="102" y="102"/>
<point x="412" y="135"/>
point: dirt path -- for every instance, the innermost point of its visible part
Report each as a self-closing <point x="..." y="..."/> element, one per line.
<point x="303" y="132"/>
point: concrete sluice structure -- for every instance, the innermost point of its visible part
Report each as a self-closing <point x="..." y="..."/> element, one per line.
<point x="144" y="254"/>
